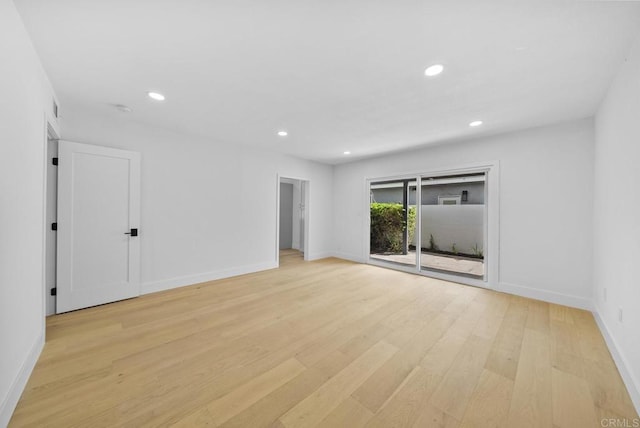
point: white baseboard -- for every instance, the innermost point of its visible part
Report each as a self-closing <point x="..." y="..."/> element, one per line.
<point x="546" y="296"/>
<point x="318" y="256"/>
<point x="167" y="284"/>
<point x="350" y="257"/>
<point x="20" y="382"/>
<point x="518" y="290"/>
<point x="632" y="384"/>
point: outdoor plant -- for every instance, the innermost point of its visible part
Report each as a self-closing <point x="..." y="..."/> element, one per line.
<point x="411" y="223"/>
<point x="432" y="243"/>
<point x="454" y="250"/>
<point x="387" y="227"/>
<point x="477" y="251"/>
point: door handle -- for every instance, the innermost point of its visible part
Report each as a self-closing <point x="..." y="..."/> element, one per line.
<point x="134" y="232"/>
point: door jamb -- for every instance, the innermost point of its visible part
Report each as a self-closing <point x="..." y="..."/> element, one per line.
<point x="50" y="133"/>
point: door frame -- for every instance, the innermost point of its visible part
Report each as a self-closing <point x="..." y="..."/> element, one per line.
<point x="492" y="222"/>
<point x="307" y="184"/>
<point x="50" y="132"/>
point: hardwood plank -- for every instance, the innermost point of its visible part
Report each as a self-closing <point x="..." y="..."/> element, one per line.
<point x="454" y="393"/>
<point x="226" y="407"/>
<point x="265" y="412"/>
<point x="565" y="347"/>
<point x="199" y="418"/>
<point x="381" y="385"/>
<point x="344" y="333"/>
<point x="531" y="400"/>
<point x="404" y="406"/>
<point x="505" y="351"/>
<point x="365" y="340"/>
<point x="607" y="389"/>
<point x="560" y="313"/>
<point x="348" y="414"/>
<point x="572" y="402"/>
<point x="489" y="403"/>
<point x="431" y="416"/>
<point x="538" y="317"/>
<point x="325" y="399"/>
<point x="439" y="358"/>
<point x="333" y="363"/>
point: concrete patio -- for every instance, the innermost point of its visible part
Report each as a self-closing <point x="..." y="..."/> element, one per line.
<point x="439" y="262"/>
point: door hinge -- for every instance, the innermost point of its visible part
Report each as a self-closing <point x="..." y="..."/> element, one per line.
<point x="55" y="161"/>
<point x="54" y="291"/>
<point x="54" y="226"/>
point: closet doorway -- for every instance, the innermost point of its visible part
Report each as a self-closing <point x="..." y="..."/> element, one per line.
<point x="292" y="217"/>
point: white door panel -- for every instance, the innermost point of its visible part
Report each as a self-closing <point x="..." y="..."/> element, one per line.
<point x="98" y="204"/>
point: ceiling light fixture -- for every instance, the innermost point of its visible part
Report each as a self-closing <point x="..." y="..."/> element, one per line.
<point x="434" y="70"/>
<point x="156" y="96"/>
<point x="283" y="133"/>
<point x="347" y="152"/>
<point x="475" y="123"/>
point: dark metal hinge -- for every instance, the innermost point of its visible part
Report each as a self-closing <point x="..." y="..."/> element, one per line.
<point x="54" y="226"/>
<point x="54" y="291"/>
<point x="55" y="161"/>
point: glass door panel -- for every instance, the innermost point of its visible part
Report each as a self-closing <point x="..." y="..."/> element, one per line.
<point x="453" y="225"/>
<point x="393" y="222"/>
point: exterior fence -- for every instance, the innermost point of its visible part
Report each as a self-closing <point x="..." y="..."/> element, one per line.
<point x="462" y="225"/>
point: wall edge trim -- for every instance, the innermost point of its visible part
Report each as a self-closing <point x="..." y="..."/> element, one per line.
<point x="19" y="383"/>
<point x="632" y="384"/>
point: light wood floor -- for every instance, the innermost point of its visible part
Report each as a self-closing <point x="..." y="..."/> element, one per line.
<point x="326" y="343"/>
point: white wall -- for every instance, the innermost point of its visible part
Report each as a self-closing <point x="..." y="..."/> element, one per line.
<point x="462" y="225"/>
<point x="199" y="199"/>
<point x="617" y="219"/>
<point x="546" y="182"/>
<point x="26" y="99"/>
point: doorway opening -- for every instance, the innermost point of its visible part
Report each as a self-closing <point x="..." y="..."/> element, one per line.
<point x="292" y="219"/>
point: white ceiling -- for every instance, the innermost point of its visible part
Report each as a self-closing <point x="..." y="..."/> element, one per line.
<point x="337" y="75"/>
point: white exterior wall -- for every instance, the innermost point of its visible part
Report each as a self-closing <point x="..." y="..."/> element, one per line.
<point x="462" y="225"/>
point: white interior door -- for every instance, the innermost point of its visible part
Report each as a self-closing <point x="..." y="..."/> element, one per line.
<point x="98" y="225"/>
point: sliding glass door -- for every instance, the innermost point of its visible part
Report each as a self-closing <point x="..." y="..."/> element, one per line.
<point x="440" y="230"/>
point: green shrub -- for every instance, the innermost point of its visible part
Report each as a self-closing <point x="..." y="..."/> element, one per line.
<point x="387" y="227"/>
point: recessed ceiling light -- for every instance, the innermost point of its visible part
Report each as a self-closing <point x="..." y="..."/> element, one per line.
<point x="434" y="70"/>
<point x="475" y="123"/>
<point x="347" y="152"/>
<point x="156" y="96"/>
<point x="283" y="133"/>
